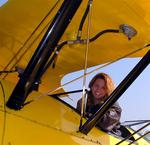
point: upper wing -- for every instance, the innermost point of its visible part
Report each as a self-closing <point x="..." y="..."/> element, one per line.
<point x="23" y="23"/>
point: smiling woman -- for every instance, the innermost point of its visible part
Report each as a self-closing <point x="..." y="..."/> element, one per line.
<point x="2" y="2"/>
<point x="101" y="86"/>
<point x="138" y="91"/>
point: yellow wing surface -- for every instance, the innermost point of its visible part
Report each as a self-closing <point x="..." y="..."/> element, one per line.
<point x="22" y="25"/>
<point x="47" y="121"/>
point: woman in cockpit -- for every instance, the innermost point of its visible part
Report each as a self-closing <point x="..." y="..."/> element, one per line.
<point x="101" y="86"/>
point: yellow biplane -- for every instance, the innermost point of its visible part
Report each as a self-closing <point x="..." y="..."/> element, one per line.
<point x="43" y="40"/>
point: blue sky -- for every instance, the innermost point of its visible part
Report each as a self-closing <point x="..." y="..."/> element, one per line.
<point x="135" y="101"/>
<point x="2" y="2"/>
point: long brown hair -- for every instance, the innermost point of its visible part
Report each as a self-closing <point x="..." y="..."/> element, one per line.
<point x="109" y="86"/>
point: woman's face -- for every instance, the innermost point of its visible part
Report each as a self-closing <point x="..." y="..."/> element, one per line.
<point x="99" y="89"/>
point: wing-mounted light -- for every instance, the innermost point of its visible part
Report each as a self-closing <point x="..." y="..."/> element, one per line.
<point x="127" y="30"/>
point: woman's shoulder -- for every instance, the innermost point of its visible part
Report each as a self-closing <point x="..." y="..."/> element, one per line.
<point x="80" y="100"/>
<point x="117" y="106"/>
<point x="79" y="104"/>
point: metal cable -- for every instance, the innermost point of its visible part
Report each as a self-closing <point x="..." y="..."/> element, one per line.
<point x="133" y="134"/>
<point x="4" y="121"/>
<point x="28" y="40"/>
<point x="83" y="20"/>
<point x="85" y="65"/>
<point x="95" y="70"/>
<point x="139" y="137"/>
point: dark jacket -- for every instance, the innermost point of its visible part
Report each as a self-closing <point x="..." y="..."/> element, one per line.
<point x="109" y="121"/>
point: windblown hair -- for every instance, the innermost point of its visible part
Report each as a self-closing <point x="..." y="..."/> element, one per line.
<point x="109" y="86"/>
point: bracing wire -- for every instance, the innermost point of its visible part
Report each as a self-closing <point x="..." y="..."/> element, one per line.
<point x="85" y="64"/>
<point x="139" y="137"/>
<point x="4" y="121"/>
<point x="82" y="21"/>
<point x="133" y="134"/>
<point x="29" y="39"/>
<point x="10" y="71"/>
<point x="95" y="70"/>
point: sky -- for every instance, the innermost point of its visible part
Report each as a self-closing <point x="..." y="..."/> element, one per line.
<point x="2" y="2"/>
<point x="135" y="102"/>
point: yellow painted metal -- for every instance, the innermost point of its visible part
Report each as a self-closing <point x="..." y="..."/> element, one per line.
<point x="47" y="121"/>
<point x="19" y="19"/>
